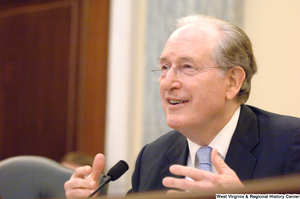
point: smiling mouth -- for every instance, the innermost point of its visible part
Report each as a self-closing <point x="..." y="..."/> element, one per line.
<point x="175" y="102"/>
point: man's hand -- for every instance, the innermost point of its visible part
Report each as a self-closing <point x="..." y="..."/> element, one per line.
<point x="85" y="179"/>
<point x="203" y="180"/>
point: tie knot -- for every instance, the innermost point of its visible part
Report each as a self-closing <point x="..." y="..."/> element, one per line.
<point x="204" y="157"/>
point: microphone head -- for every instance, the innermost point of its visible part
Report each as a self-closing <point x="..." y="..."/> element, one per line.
<point x="118" y="170"/>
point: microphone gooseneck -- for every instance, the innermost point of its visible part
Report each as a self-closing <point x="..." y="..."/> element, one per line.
<point x="113" y="174"/>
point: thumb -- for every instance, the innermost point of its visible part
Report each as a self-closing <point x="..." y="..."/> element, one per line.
<point x="219" y="164"/>
<point x="98" y="167"/>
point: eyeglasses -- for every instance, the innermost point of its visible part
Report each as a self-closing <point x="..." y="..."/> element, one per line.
<point x="160" y="72"/>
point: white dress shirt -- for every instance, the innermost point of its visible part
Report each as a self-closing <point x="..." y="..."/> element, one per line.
<point x="220" y="142"/>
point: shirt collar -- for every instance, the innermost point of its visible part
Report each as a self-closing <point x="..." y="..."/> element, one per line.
<point x="220" y="142"/>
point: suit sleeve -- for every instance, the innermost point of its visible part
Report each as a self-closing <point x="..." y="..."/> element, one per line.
<point x="136" y="174"/>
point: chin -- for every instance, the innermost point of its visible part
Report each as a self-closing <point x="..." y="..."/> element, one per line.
<point x="175" y="123"/>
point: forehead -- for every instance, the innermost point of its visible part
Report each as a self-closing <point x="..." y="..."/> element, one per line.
<point x="191" y="42"/>
<point x="197" y="30"/>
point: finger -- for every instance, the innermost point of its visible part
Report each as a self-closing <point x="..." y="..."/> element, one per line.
<point x="79" y="183"/>
<point x="228" y="179"/>
<point x="219" y="164"/>
<point x="98" y="167"/>
<point x="179" y="183"/>
<point x="81" y="172"/>
<point x="78" y="192"/>
<point x="194" y="173"/>
<point x="175" y="191"/>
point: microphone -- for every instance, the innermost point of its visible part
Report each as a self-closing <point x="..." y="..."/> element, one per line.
<point x="113" y="174"/>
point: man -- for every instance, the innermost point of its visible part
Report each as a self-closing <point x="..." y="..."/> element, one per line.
<point x="205" y="78"/>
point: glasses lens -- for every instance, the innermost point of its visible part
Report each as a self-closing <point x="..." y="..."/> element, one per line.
<point x="156" y="73"/>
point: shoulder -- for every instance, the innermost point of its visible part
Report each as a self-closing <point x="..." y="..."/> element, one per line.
<point x="267" y="127"/>
<point x="279" y="138"/>
<point x="154" y="160"/>
<point x="168" y="138"/>
<point x="276" y="121"/>
<point x="259" y="126"/>
<point x="165" y="142"/>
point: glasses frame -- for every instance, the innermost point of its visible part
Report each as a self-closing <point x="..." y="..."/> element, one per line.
<point x="157" y="77"/>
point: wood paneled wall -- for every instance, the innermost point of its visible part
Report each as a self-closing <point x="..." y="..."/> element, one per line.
<point x="53" y="63"/>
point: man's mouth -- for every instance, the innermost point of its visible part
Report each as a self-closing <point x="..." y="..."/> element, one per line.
<point x="175" y="102"/>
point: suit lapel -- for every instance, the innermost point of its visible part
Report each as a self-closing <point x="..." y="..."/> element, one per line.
<point x="239" y="156"/>
<point x="177" y="154"/>
<point x="245" y="138"/>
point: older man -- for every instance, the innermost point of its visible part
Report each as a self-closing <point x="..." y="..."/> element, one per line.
<point x="205" y="78"/>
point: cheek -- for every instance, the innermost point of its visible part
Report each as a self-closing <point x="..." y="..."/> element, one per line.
<point x="207" y="96"/>
<point x="162" y="96"/>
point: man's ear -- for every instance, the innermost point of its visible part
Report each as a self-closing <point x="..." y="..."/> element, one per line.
<point x="236" y="77"/>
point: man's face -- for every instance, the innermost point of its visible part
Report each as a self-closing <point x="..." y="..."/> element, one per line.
<point x="192" y="102"/>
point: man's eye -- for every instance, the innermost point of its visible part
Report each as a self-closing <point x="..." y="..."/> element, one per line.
<point x="187" y="69"/>
<point x="187" y="66"/>
<point x="164" y="67"/>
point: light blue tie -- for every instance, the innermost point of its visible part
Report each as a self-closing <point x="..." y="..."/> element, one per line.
<point x="203" y="155"/>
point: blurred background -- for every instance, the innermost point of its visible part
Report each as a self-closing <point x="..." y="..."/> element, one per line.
<point x="75" y="74"/>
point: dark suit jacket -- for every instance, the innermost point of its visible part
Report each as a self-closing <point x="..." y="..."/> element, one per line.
<point x="263" y="145"/>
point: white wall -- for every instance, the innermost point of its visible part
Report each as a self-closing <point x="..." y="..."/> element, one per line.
<point x="274" y="29"/>
<point x="125" y="88"/>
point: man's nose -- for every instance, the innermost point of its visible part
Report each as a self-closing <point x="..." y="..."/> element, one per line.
<point x="172" y="73"/>
<point x="171" y="80"/>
